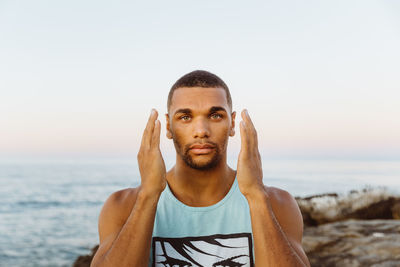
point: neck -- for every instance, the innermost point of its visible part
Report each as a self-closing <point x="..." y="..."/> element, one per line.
<point x="200" y="187"/>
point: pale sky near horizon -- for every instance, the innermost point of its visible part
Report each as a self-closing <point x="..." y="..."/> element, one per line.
<point x="319" y="78"/>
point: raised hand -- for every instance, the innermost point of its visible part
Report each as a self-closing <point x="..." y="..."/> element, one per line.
<point x="151" y="163"/>
<point x="249" y="167"/>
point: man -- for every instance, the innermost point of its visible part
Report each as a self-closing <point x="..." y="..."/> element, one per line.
<point x="201" y="212"/>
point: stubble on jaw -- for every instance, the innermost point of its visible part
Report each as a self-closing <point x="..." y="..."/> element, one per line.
<point x="184" y="153"/>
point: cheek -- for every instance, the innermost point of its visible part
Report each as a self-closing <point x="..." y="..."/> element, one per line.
<point x="224" y="131"/>
<point x="179" y="133"/>
<point x="222" y="136"/>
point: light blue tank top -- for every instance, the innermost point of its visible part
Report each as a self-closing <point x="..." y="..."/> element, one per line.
<point x="217" y="235"/>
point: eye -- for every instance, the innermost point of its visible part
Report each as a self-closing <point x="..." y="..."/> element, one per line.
<point x="216" y="116"/>
<point x="184" y="117"/>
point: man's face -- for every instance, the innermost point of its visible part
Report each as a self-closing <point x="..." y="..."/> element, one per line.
<point x="200" y="123"/>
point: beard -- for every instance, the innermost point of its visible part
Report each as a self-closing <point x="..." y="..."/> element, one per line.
<point x="184" y="153"/>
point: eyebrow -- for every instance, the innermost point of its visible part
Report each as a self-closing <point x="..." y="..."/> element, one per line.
<point x="211" y="110"/>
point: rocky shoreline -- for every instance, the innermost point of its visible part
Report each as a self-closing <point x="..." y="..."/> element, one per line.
<point x="354" y="243"/>
<point x="361" y="228"/>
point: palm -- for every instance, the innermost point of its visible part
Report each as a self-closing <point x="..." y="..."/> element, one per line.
<point x="249" y="167"/>
<point x="151" y="163"/>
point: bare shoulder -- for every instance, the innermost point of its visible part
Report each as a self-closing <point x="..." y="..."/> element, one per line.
<point x="112" y="218"/>
<point x="116" y="211"/>
<point x="122" y="198"/>
<point x="279" y="196"/>
<point x="288" y="214"/>
<point x="286" y="211"/>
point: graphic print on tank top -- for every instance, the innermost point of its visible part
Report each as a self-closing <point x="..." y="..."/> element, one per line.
<point x="232" y="250"/>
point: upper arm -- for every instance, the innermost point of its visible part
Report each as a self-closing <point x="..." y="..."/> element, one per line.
<point x="288" y="214"/>
<point x="112" y="218"/>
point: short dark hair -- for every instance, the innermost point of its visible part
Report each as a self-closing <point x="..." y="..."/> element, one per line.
<point x="200" y="78"/>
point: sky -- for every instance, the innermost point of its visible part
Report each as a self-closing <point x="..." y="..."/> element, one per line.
<point x="320" y="78"/>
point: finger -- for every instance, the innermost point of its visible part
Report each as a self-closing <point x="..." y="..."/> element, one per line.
<point x="247" y="129"/>
<point x="243" y="137"/>
<point x="251" y="130"/>
<point x="155" y="139"/>
<point x="148" y="131"/>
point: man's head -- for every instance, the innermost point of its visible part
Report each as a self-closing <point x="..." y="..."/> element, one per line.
<point x="200" y="119"/>
<point x="200" y="78"/>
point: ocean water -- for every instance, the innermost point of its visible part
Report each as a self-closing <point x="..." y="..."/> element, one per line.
<point x="49" y="208"/>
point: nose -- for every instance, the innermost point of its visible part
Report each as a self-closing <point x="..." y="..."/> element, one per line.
<point x="201" y="128"/>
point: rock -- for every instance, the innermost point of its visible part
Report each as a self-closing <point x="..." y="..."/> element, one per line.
<point x="85" y="260"/>
<point x="354" y="243"/>
<point x="372" y="203"/>
<point x="396" y="211"/>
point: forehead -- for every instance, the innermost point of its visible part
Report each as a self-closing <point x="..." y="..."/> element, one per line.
<point x="198" y="98"/>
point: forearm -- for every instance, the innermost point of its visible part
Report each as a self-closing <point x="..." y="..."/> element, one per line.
<point x="132" y="245"/>
<point x="271" y="246"/>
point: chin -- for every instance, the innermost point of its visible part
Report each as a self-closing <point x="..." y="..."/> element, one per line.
<point x="202" y="164"/>
<point x="203" y="167"/>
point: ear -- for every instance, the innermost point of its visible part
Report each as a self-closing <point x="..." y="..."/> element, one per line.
<point x="169" y="134"/>
<point x="232" y="130"/>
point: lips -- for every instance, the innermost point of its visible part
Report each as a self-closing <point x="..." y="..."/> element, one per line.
<point x="201" y="146"/>
<point x="201" y="149"/>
